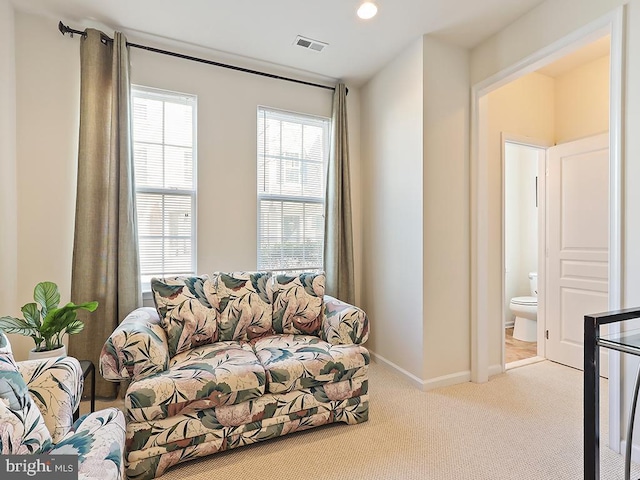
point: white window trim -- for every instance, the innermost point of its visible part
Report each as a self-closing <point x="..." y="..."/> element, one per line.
<point x="320" y="120"/>
<point x="156" y="93"/>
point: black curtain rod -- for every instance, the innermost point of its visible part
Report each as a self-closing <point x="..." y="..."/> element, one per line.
<point x="65" y="29"/>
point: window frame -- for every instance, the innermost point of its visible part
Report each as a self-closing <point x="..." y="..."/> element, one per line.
<point x="301" y="199"/>
<point x="142" y="91"/>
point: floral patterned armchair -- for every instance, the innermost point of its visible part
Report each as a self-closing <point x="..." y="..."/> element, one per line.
<point x="37" y="401"/>
<point x="232" y="359"/>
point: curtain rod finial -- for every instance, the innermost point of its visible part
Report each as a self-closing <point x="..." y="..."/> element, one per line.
<point x="62" y="27"/>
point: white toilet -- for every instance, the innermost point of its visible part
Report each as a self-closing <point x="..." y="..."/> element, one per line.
<point x="525" y="310"/>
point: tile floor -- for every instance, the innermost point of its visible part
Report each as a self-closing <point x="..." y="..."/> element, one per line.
<point x="516" y="349"/>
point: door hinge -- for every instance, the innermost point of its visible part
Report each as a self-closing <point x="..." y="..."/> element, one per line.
<point x="546" y="334"/>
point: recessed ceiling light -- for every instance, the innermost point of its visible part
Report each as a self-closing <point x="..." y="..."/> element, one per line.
<point x="367" y="10"/>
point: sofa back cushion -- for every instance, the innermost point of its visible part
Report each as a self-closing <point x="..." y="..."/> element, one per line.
<point x="185" y="310"/>
<point x="297" y="303"/>
<point x="243" y="305"/>
<point x="22" y="427"/>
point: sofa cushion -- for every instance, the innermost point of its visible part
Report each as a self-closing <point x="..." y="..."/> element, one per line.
<point x="297" y="303"/>
<point x="293" y="362"/>
<point x="243" y="306"/>
<point x="185" y="312"/>
<point x="22" y="428"/>
<point x="223" y="373"/>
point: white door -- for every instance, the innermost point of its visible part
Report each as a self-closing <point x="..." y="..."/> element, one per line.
<point x="578" y="245"/>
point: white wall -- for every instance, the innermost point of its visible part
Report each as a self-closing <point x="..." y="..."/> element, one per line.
<point x="415" y="115"/>
<point x="582" y="101"/>
<point x="392" y="197"/>
<point x="446" y="213"/>
<point x="8" y="191"/>
<point x="48" y="92"/>
<point x="227" y="126"/>
<point x="542" y="26"/>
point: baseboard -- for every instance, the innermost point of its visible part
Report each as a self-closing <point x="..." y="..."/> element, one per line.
<point x="389" y="364"/>
<point x="444" y="381"/>
<point x="495" y="370"/>
<point x="448" y="380"/>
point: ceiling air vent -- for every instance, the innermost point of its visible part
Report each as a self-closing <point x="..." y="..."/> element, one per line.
<point x="310" y="44"/>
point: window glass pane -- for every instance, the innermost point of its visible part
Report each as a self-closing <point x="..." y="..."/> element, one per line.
<point x="291" y="140"/>
<point x="151" y="258"/>
<point x="313" y="143"/>
<point x="147" y="116"/>
<point x="313" y="179"/>
<point x="178" y="127"/>
<point x="178" y="168"/>
<point x="177" y="215"/>
<point x="150" y="214"/>
<point x="177" y="255"/>
<point x="149" y="165"/>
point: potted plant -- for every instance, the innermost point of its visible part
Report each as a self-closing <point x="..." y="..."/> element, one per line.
<point x="46" y="322"/>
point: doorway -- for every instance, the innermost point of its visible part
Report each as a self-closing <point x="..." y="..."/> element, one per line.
<point x="486" y="278"/>
<point x="552" y="110"/>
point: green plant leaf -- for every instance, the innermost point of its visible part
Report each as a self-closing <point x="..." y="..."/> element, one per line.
<point x="75" y="327"/>
<point x="47" y="295"/>
<point x="59" y="319"/>
<point x="32" y="314"/>
<point x="47" y="324"/>
<point x="17" y="325"/>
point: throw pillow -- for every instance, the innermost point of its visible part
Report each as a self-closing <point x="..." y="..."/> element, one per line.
<point x="242" y="302"/>
<point x="185" y="312"/>
<point x="22" y="427"/>
<point x="297" y="303"/>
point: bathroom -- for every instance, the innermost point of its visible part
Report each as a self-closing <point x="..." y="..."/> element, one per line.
<point x="521" y="251"/>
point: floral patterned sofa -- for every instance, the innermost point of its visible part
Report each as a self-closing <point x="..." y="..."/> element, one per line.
<point x="37" y="401"/>
<point x="232" y="359"/>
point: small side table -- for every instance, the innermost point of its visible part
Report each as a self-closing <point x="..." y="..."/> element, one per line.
<point x="88" y="368"/>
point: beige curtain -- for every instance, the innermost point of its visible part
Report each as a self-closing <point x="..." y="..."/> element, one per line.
<point x="105" y="252"/>
<point x="338" y="236"/>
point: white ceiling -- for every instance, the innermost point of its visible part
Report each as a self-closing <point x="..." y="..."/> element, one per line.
<point x="266" y="30"/>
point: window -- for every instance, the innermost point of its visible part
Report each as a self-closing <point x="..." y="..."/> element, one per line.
<point x="164" y="126"/>
<point x="292" y="154"/>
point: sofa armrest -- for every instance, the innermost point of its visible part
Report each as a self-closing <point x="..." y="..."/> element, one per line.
<point x="55" y="384"/>
<point x="136" y="349"/>
<point x="343" y="324"/>
<point x="99" y="441"/>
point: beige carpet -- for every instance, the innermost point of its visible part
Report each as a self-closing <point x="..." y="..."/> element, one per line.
<point x="525" y="424"/>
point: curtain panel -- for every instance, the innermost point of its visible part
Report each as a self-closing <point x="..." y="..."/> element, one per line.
<point x="338" y="235"/>
<point x="105" y="253"/>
